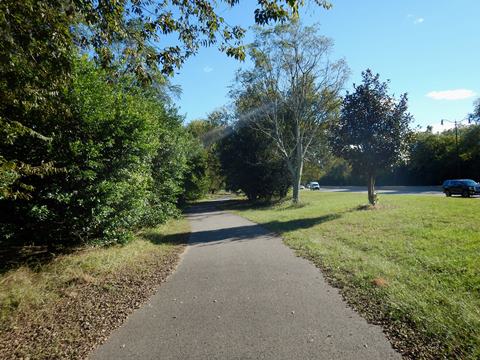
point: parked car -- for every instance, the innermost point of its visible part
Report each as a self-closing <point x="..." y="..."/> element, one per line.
<point x="464" y="187"/>
<point x="302" y="187"/>
<point x="314" y="185"/>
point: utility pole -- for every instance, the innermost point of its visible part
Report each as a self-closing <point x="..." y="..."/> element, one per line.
<point x="456" y="147"/>
<point x="457" y="123"/>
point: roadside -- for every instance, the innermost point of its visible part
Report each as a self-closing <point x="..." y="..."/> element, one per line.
<point x="64" y="308"/>
<point x="387" y="190"/>
<point x="410" y="264"/>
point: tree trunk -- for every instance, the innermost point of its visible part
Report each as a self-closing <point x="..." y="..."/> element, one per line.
<point x="296" y="185"/>
<point x="372" y="196"/>
<point x="297" y="176"/>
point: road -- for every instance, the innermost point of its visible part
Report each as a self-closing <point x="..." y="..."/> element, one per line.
<point x="388" y="190"/>
<point x="240" y="293"/>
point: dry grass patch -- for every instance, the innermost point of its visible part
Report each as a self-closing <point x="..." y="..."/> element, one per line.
<point x="64" y="308"/>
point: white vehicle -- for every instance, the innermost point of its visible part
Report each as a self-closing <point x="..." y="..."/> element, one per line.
<point x="314" y="185"/>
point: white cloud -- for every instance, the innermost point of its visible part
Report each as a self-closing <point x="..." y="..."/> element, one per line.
<point x="207" y="69"/>
<point x="456" y="94"/>
<point x="416" y="19"/>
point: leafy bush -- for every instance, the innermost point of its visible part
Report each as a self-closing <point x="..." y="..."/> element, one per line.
<point x="123" y="155"/>
<point x="196" y="181"/>
<point x="208" y="132"/>
<point x="252" y="165"/>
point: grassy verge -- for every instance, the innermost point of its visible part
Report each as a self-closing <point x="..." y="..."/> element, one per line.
<point x="412" y="264"/>
<point x="64" y="308"/>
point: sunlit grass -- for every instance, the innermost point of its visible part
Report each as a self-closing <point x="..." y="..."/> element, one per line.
<point x="424" y="250"/>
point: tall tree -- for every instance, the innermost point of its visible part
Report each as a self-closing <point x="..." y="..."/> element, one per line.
<point x="39" y="38"/>
<point x="296" y="87"/>
<point x="373" y="132"/>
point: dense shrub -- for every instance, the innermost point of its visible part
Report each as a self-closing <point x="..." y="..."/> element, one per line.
<point x="123" y="155"/>
<point x="251" y="164"/>
<point x="208" y="132"/>
<point x="196" y="181"/>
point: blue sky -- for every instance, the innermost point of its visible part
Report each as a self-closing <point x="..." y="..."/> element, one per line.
<point x="429" y="49"/>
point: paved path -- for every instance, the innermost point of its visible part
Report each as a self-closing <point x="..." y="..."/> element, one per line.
<point x="239" y="293"/>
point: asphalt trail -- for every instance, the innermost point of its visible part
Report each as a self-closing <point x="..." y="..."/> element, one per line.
<point x="240" y="293"/>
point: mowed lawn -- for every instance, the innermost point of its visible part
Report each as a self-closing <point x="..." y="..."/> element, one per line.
<point x="413" y="261"/>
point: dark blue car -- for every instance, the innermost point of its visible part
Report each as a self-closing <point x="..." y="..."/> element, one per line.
<point x="464" y="187"/>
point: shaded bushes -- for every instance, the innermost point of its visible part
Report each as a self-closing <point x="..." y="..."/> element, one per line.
<point x="123" y="157"/>
<point x="251" y="164"/>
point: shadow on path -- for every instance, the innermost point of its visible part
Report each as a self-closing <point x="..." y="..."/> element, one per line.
<point x="239" y="233"/>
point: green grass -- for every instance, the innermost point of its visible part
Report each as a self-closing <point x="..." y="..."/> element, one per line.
<point x="414" y="259"/>
<point x="27" y="289"/>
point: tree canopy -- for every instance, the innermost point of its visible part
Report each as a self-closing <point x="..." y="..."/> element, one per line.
<point x="291" y="92"/>
<point x="40" y="40"/>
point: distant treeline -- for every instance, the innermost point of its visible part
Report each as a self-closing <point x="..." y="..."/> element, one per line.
<point x="433" y="158"/>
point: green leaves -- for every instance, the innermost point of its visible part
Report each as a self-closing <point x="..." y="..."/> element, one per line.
<point x="373" y="132"/>
<point x="251" y="165"/>
<point x="35" y="58"/>
<point x="120" y="160"/>
<point x="146" y="25"/>
<point x="94" y="150"/>
<point x="40" y="39"/>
